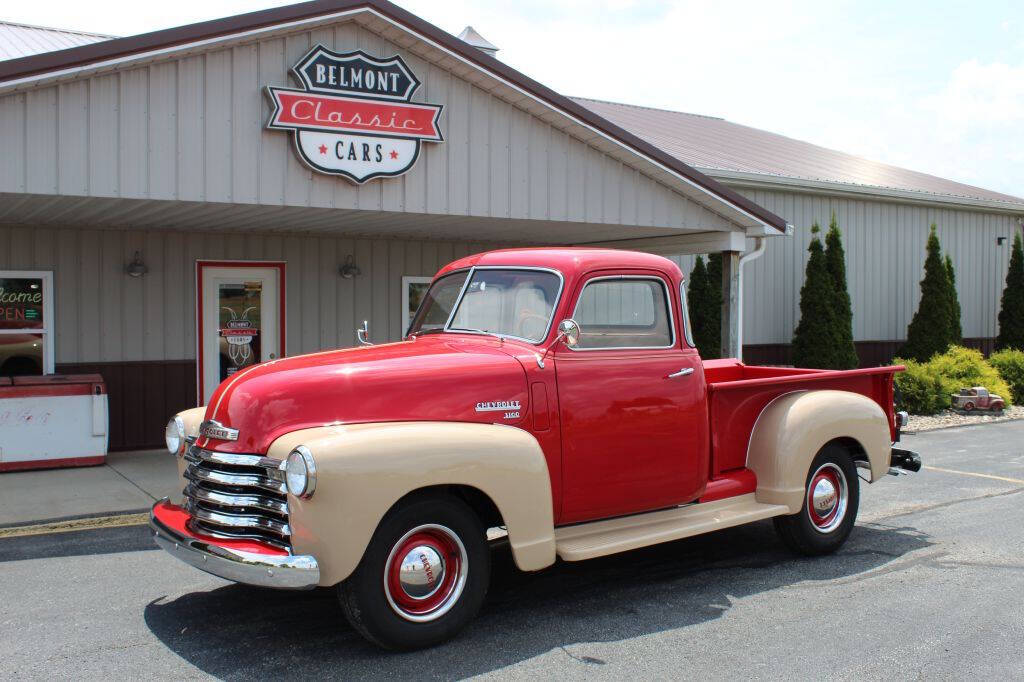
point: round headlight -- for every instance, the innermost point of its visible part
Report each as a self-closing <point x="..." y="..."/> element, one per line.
<point x="174" y="434"/>
<point x="300" y="472"/>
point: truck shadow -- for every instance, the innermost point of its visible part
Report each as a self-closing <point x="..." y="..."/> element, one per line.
<point x="243" y="632"/>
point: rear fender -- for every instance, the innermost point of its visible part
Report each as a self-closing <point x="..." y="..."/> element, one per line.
<point x="362" y="470"/>
<point x="793" y="428"/>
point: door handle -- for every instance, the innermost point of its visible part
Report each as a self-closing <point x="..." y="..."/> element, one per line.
<point x="685" y="372"/>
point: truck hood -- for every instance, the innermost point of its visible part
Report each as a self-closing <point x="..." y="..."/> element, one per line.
<point x="439" y="377"/>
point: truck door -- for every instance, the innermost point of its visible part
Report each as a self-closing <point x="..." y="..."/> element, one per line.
<point x="632" y="401"/>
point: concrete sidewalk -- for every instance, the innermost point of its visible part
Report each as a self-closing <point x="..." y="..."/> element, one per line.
<point x="128" y="482"/>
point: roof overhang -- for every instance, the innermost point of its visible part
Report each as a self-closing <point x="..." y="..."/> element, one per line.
<point x="875" y="192"/>
<point x="418" y="36"/>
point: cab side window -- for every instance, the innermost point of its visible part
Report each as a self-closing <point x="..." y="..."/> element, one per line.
<point x="622" y="312"/>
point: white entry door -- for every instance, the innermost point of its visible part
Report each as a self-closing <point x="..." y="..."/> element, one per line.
<point x="240" y="319"/>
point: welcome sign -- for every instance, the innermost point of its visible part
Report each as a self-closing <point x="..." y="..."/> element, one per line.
<point x="354" y="116"/>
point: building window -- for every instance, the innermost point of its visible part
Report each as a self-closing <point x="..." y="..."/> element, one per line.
<point x="26" y="322"/>
<point x="413" y="289"/>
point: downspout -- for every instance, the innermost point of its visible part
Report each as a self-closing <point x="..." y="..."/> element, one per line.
<point x="744" y="259"/>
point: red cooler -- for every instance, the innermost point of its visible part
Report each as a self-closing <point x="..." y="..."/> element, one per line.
<point x="52" y="421"/>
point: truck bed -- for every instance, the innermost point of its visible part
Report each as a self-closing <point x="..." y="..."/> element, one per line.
<point x="737" y="394"/>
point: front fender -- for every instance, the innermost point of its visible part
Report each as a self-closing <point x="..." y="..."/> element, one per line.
<point x="363" y="469"/>
<point x="794" y="427"/>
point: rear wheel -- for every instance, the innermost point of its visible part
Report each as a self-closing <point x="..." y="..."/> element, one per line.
<point x="423" y="576"/>
<point x="968" y="406"/>
<point x="831" y="499"/>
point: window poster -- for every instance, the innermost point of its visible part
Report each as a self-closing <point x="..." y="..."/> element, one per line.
<point x="239" y="325"/>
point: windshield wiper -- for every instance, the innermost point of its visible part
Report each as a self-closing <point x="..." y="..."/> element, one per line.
<point x="432" y="330"/>
<point x="474" y="329"/>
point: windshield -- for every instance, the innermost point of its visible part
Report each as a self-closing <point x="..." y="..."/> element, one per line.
<point x="505" y="302"/>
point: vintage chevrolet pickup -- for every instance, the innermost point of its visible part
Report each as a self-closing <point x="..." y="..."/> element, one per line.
<point x="554" y="394"/>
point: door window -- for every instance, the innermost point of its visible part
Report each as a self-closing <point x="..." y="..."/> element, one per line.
<point x="26" y="323"/>
<point x="623" y="312"/>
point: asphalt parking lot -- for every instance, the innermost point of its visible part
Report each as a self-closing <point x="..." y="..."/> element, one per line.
<point x="930" y="585"/>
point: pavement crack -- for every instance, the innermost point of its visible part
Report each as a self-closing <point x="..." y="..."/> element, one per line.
<point x="144" y="492"/>
<point x="948" y="503"/>
<point x="588" y="660"/>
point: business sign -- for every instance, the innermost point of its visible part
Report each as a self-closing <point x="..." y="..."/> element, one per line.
<point x="353" y="115"/>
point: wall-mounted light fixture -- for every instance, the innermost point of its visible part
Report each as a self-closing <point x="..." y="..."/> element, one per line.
<point x="136" y="268"/>
<point x="349" y="269"/>
<point x="1000" y="241"/>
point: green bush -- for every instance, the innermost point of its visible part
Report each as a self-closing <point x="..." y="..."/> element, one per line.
<point x="1010" y="364"/>
<point x="920" y="390"/>
<point x="926" y="386"/>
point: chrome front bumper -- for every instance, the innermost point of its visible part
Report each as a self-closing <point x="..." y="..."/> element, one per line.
<point x="265" y="570"/>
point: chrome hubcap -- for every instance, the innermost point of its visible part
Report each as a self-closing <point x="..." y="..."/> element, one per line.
<point x="421" y="572"/>
<point x="827" y="498"/>
<point x="824" y="497"/>
<point x="425" y="573"/>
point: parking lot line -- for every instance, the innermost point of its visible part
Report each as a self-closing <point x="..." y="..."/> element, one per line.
<point x="972" y="473"/>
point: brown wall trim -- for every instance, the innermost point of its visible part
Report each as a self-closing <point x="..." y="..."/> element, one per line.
<point x="871" y="353"/>
<point x="141" y="396"/>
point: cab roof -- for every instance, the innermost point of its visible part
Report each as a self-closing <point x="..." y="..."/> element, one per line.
<point x="570" y="261"/>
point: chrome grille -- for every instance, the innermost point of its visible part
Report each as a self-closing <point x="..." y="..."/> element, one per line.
<point x="237" y="496"/>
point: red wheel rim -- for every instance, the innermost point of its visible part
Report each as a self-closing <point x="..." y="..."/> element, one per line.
<point x="425" y="573"/>
<point x="827" y="498"/>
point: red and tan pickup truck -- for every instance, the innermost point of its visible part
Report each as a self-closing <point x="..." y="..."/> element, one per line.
<point x="553" y="394"/>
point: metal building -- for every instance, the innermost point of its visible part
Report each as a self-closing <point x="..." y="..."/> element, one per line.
<point x="883" y="211"/>
<point x="150" y="183"/>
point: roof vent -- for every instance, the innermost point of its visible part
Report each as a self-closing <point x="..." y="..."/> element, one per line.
<point x="470" y="36"/>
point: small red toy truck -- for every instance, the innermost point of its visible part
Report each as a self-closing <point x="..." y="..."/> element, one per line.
<point x="977" y="398"/>
<point x="555" y="393"/>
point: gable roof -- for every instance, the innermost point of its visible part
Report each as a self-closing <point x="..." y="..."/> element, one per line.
<point x="64" y="62"/>
<point x="714" y="145"/>
<point x="22" y="40"/>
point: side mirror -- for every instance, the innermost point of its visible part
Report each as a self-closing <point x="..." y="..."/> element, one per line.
<point x="569" y="331"/>
<point x="363" y="334"/>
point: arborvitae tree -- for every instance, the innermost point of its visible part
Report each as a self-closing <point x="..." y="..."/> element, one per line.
<point x="930" y="331"/>
<point x="700" y="298"/>
<point x="817" y="335"/>
<point x="956" y="332"/>
<point x="1011" y="311"/>
<point x="835" y="260"/>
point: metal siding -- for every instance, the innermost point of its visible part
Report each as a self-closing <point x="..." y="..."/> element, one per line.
<point x="103" y="315"/>
<point x="12" y="133"/>
<point x="73" y="152"/>
<point x="885" y="252"/>
<point x="40" y="140"/>
<point x="193" y="129"/>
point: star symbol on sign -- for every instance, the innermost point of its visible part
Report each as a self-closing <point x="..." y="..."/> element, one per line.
<point x="394" y="154"/>
<point x="323" y="149"/>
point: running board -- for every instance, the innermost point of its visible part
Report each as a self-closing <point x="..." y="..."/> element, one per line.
<point x="600" y="538"/>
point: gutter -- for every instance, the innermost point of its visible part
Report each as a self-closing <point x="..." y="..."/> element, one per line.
<point x="744" y="259"/>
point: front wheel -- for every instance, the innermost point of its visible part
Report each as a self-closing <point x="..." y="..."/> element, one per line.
<point x="423" y="576"/>
<point x="829" y="511"/>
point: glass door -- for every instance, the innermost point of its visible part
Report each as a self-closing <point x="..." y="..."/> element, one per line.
<point x="241" y="319"/>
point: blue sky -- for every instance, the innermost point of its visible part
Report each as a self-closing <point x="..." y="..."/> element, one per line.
<point x="933" y="86"/>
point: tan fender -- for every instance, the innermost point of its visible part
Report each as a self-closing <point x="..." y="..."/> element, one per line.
<point x="794" y="427"/>
<point x="363" y="469"/>
<point x="192" y="418"/>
